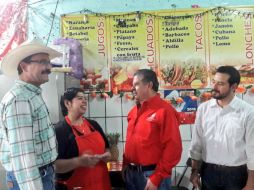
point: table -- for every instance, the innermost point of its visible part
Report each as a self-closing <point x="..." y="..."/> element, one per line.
<point x="115" y="173"/>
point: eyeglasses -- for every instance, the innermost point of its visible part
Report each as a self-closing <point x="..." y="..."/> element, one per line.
<point x="42" y="62"/>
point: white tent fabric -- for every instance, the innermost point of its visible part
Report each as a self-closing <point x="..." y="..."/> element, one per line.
<point x="13" y="28"/>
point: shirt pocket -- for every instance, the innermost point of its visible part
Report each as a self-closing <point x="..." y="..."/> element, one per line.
<point x="150" y="131"/>
<point x="235" y="127"/>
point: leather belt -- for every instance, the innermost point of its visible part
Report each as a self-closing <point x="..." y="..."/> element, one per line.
<point x="222" y="167"/>
<point x="141" y="168"/>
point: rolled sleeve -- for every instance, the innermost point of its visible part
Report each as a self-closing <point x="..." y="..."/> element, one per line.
<point x="196" y="141"/>
<point x="249" y="136"/>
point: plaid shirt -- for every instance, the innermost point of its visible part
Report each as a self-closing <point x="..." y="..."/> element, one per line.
<point x="27" y="137"/>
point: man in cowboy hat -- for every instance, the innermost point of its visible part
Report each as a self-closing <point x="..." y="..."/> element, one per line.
<point x="27" y="138"/>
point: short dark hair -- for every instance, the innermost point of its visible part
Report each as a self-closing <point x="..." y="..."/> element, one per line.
<point x="234" y="75"/>
<point x="69" y="94"/>
<point x="148" y="76"/>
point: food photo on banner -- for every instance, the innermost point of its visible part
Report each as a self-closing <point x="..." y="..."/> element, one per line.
<point x="191" y="73"/>
<point x="177" y="35"/>
<point x="185" y="102"/>
<point x="92" y="35"/>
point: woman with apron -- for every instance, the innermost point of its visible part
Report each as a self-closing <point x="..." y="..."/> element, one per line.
<point x="82" y="147"/>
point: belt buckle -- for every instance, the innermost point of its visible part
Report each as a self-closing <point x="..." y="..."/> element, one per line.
<point x="43" y="172"/>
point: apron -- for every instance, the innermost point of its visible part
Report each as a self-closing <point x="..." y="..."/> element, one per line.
<point x="86" y="178"/>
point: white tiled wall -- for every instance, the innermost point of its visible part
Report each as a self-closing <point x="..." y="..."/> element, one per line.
<point x="114" y="124"/>
<point x="113" y="107"/>
<point x="97" y="107"/>
<point x="185" y="132"/>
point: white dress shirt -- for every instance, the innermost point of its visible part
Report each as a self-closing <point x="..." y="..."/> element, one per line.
<point x="224" y="136"/>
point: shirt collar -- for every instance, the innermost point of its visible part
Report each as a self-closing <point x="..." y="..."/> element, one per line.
<point x="214" y="103"/>
<point x="232" y="104"/>
<point x="152" y="100"/>
<point x="29" y="86"/>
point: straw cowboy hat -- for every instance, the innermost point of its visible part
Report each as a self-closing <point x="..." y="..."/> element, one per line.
<point x="12" y="59"/>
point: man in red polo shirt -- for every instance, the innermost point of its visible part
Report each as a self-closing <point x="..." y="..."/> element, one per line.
<point x="153" y="143"/>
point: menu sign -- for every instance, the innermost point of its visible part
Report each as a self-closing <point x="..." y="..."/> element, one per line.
<point x="91" y="32"/>
<point x="231" y="43"/>
<point x="132" y="46"/>
<point x="182" y="51"/>
<point x="184" y="47"/>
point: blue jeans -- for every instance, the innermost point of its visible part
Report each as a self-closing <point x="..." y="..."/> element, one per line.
<point x="216" y="177"/>
<point x="47" y="177"/>
<point x="136" y="180"/>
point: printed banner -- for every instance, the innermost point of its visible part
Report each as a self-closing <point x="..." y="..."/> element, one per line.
<point x="185" y="103"/>
<point x="184" y="47"/>
<point x="13" y="24"/>
<point x="182" y="100"/>
<point x="132" y="46"/>
<point x="182" y="51"/>
<point x="231" y="42"/>
<point x="91" y="31"/>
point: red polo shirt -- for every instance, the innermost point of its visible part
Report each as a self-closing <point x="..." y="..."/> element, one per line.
<point x="153" y="137"/>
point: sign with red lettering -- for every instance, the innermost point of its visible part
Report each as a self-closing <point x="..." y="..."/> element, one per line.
<point x="187" y="117"/>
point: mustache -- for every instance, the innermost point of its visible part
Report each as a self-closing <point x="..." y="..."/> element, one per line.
<point x="46" y="71"/>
